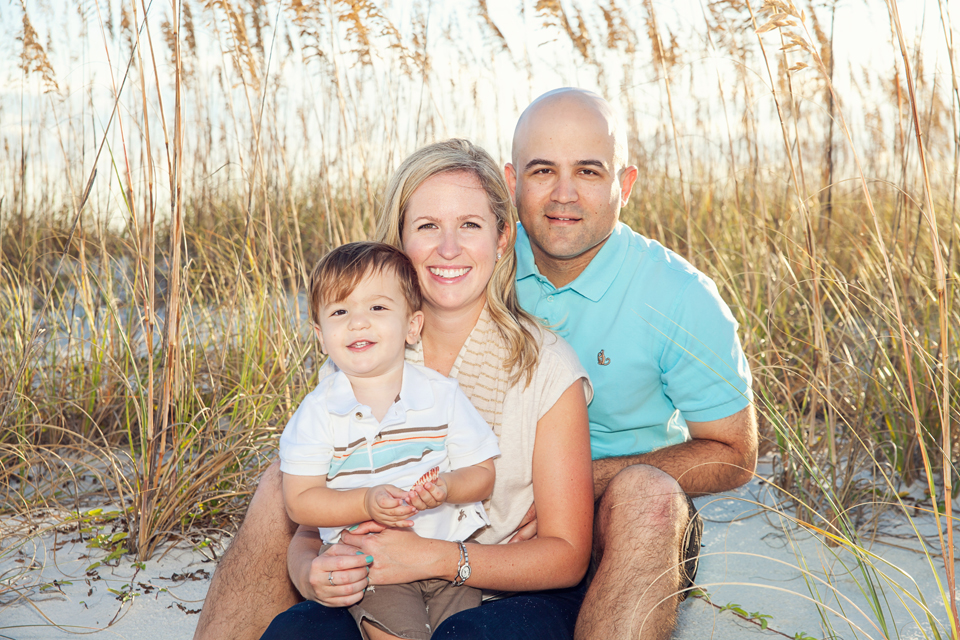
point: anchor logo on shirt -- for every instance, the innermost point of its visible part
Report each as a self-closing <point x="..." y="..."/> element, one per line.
<point x="601" y="360"/>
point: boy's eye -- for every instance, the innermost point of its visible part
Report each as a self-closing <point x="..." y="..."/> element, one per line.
<point x="338" y="312"/>
<point x="378" y="307"/>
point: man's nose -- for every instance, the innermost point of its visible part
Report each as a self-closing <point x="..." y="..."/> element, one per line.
<point x="564" y="190"/>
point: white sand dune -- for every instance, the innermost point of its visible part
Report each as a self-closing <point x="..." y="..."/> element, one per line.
<point x="751" y="559"/>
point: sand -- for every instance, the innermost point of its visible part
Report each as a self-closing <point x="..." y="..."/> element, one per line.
<point x="751" y="559"/>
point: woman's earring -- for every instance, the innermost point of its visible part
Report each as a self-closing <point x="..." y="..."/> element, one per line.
<point x="499" y="255"/>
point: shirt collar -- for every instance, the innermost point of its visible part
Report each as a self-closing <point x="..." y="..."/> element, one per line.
<point x="599" y="274"/>
<point x="416" y="393"/>
<point x="526" y="267"/>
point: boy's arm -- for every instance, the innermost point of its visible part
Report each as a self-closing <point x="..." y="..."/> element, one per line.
<point x="463" y="485"/>
<point x="310" y="502"/>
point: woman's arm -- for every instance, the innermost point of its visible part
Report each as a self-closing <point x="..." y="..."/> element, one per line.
<point x="558" y="557"/>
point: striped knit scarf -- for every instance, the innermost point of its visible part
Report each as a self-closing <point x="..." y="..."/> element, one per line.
<point x="479" y="370"/>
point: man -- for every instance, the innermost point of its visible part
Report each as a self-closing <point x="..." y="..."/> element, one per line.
<point x="672" y="387"/>
<point x="660" y="347"/>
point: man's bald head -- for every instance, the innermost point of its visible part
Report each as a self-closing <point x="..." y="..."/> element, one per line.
<point x="572" y="104"/>
<point x="569" y="179"/>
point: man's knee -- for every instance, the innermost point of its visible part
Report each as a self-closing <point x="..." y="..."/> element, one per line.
<point x="270" y="486"/>
<point x="644" y="501"/>
<point x="266" y="518"/>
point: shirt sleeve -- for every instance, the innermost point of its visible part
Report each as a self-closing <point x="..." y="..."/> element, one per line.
<point x="703" y="368"/>
<point x="306" y="446"/>
<point x="470" y="440"/>
<point x="559" y="367"/>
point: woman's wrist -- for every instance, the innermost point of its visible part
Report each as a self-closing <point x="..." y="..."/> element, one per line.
<point x="300" y="555"/>
<point x="451" y="562"/>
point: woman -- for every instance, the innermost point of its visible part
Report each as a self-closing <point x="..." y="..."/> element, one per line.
<point x="448" y="209"/>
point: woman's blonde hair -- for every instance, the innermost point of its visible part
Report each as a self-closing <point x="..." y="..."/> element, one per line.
<point x="453" y="156"/>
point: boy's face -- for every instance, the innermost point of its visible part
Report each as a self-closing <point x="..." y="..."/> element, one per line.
<point x="365" y="333"/>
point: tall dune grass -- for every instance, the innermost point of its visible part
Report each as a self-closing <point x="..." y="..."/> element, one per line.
<point x="162" y="200"/>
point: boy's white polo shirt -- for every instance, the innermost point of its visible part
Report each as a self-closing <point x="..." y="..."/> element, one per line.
<point x="432" y="424"/>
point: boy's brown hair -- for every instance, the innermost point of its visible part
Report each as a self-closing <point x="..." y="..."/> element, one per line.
<point x="339" y="272"/>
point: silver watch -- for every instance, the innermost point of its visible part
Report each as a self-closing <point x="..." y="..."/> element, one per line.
<point x="463" y="568"/>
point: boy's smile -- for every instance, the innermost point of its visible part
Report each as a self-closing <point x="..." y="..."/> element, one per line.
<point x="365" y="333"/>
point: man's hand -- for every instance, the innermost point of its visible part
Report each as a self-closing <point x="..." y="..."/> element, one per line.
<point x="385" y="505"/>
<point x="528" y="526"/>
<point x="721" y="455"/>
<point x="428" y="495"/>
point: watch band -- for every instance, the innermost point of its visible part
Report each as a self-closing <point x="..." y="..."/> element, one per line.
<point x="463" y="567"/>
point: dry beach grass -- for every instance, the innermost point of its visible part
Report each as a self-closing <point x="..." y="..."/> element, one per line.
<point x="171" y="170"/>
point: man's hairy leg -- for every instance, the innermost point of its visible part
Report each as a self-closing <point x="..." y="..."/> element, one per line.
<point x="637" y="531"/>
<point x="251" y="585"/>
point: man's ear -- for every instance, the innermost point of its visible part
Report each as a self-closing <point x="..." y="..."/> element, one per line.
<point x="510" y="173"/>
<point x="316" y="330"/>
<point x="415" y="327"/>
<point x="628" y="177"/>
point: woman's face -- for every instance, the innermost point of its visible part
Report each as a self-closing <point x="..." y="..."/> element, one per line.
<point x="450" y="235"/>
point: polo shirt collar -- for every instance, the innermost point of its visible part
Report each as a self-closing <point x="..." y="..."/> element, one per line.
<point x="526" y="267"/>
<point x="599" y="274"/>
<point x="416" y="393"/>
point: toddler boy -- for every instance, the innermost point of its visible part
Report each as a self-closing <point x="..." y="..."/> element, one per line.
<point x="377" y="432"/>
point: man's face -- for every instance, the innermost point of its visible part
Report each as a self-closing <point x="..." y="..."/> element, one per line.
<point x="564" y="182"/>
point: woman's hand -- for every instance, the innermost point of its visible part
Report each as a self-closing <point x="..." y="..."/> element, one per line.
<point x="335" y="578"/>
<point x="401" y="556"/>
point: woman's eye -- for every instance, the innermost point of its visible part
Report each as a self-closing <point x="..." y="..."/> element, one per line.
<point x="426" y="225"/>
<point x="471" y="225"/>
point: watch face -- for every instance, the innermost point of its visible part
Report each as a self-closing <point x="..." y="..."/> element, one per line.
<point x="465" y="572"/>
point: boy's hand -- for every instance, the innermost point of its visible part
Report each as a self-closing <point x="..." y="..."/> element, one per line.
<point x="428" y="495"/>
<point x="384" y="504"/>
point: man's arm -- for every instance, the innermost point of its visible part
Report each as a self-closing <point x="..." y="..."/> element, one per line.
<point x="722" y="455"/>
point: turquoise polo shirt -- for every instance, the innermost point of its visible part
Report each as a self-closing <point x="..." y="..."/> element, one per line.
<point x="659" y="343"/>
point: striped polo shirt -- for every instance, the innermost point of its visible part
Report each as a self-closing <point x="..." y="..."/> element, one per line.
<point x="431" y="424"/>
